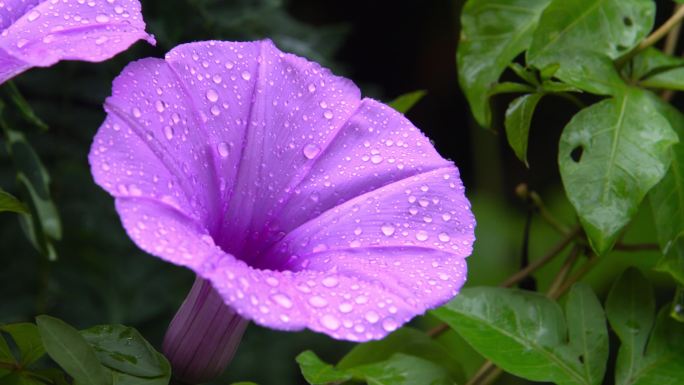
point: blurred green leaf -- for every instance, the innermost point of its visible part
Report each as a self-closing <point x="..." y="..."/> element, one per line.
<point x="5" y="352"/>
<point x="402" y="369"/>
<point x="406" y="101"/>
<point x="318" y="372"/>
<point x="610" y="155"/>
<point x="71" y="351"/>
<point x="405" y="340"/>
<point x="10" y="203"/>
<point x="27" y="338"/>
<point x="525" y="333"/>
<point x="123" y="349"/>
<point x="43" y="224"/>
<point x="614" y="27"/>
<point x="22" y="111"/>
<point x="667" y="200"/>
<point x="650" y="62"/>
<point x="645" y="357"/>
<point x="630" y="308"/>
<point x="587" y="330"/>
<point x="494" y="32"/>
<point x="517" y="123"/>
<point x="19" y="378"/>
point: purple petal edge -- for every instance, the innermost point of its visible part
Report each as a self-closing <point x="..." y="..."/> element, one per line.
<point x="58" y="30"/>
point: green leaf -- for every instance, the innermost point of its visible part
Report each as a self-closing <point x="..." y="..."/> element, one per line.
<point x="525" y="333"/>
<point x="630" y="309"/>
<point x="663" y="362"/>
<point x="43" y="224"/>
<point x="651" y="61"/>
<point x="610" y="155"/>
<point x="509" y="87"/>
<point x="20" y="107"/>
<point x="5" y="352"/>
<point x="494" y="33"/>
<point x="10" y="203"/>
<point x="405" y="340"/>
<point x="317" y="372"/>
<point x="405" y="102"/>
<point x="667" y="200"/>
<point x="402" y="369"/>
<point x="587" y="330"/>
<point x="27" y="338"/>
<point x="589" y="71"/>
<point x="517" y="123"/>
<point x="610" y="28"/>
<point x="123" y="349"/>
<point x="19" y="378"/>
<point x="525" y="73"/>
<point x="71" y="351"/>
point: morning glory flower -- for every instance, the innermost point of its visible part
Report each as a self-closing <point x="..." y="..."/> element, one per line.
<point x="296" y="202"/>
<point x="41" y="33"/>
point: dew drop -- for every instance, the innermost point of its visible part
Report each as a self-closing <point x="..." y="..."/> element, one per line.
<point x="282" y="300"/>
<point x="33" y="15"/>
<point x="389" y="324"/>
<point x="168" y="132"/>
<point x="159" y="106"/>
<point x="446" y="217"/>
<point x="223" y="149"/>
<point x="136" y="112"/>
<point x="330" y="322"/>
<point x="387" y="229"/>
<point x="328" y="114"/>
<point x="312" y="88"/>
<point x="444" y="237"/>
<point x="311" y="150"/>
<point x="421" y="235"/>
<point x="246" y="75"/>
<point x="372" y="317"/>
<point x="330" y="281"/>
<point x="317" y="301"/>
<point x="346" y="307"/>
<point x="212" y="95"/>
<point x="375" y="159"/>
<point x="102" y="18"/>
<point x="215" y="110"/>
<point x="216" y="78"/>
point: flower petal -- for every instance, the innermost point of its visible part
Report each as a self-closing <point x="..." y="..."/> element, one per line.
<point x="72" y="30"/>
<point x="11" y="10"/>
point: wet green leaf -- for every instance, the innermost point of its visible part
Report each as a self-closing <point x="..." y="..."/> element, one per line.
<point x="610" y="155"/>
<point x="405" y="102"/>
<point x="614" y="27"/>
<point x="526" y="333"/>
<point x="517" y="123"/>
<point x="494" y="32"/>
<point x="71" y="351"/>
<point x="402" y="369"/>
<point x="316" y="372"/>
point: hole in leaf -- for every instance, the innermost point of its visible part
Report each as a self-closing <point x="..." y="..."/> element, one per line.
<point x="576" y="153"/>
<point x="581" y="358"/>
<point x="620" y="47"/>
<point x="628" y="21"/>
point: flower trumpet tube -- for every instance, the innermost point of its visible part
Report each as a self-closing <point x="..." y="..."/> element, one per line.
<point x="301" y="203"/>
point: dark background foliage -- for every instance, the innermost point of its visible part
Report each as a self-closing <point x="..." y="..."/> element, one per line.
<point x="388" y="48"/>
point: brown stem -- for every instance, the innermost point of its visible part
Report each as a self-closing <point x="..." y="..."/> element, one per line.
<point x="593" y="260"/>
<point x="562" y="274"/>
<point x="481" y="373"/>
<point x="546" y="214"/>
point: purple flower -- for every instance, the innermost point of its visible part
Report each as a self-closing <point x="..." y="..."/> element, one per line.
<point x="41" y="33"/>
<point x="302" y="204"/>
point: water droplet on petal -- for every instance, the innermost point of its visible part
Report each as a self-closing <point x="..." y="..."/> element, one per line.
<point x="328" y="114"/>
<point x="312" y="87"/>
<point x="102" y="18"/>
<point x="311" y="150"/>
<point x="346" y="307"/>
<point x="422" y="235"/>
<point x="330" y="281"/>
<point x="159" y="106"/>
<point x="136" y="112"/>
<point x="372" y="317"/>
<point x="330" y="322"/>
<point x="444" y="237"/>
<point x="246" y="75"/>
<point x="282" y="300"/>
<point x="168" y="132"/>
<point x="389" y="324"/>
<point x="215" y="110"/>
<point x="212" y="95"/>
<point x="33" y="15"/>
<point x="317" y="301"/>
<point x="223" y="149"/>
<point x="387" y="229"/>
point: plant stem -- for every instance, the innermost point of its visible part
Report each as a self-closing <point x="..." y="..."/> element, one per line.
<point x="553" y="291"/>
<point x="593" y="260"/>
<point x="481" y="373"/>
